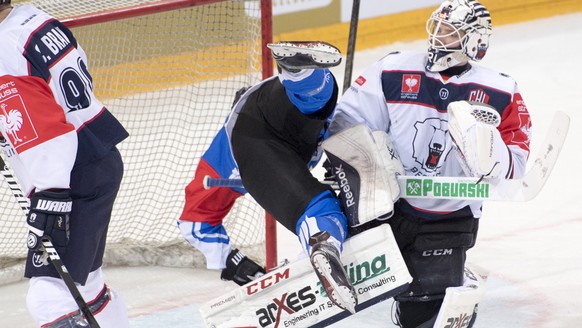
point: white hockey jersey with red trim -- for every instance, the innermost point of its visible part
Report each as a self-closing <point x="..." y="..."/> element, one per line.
<point x="398" y="96"/>
<point x="49" y="117"/>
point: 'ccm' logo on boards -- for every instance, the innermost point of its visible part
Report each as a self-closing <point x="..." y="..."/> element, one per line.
<point x="267" y="281"/>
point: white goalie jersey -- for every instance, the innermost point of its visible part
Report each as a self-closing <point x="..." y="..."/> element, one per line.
<point x="397" y="95"/>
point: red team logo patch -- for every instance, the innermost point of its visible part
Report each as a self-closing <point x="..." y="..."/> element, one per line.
<point x="479" y="95"/>
<point x="16" y="123"/>
<point x="360" y="80"/>
<point x="410" y="83"/>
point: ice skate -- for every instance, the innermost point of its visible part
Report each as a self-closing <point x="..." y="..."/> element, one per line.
<point x="326" y="261"/>
<point x="298" y="55"/>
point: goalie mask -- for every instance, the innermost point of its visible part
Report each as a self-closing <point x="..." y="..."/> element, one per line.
<point x="458" y="30"/>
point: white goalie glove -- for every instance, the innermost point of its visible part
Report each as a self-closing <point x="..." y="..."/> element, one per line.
<point x="473" y="128"/>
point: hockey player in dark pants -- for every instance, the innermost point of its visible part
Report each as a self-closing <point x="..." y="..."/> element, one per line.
<point x="274" y="130"/>
<point x="443" y="116"/>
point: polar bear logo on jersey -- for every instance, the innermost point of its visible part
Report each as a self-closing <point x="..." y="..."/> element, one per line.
<point x="431" y="142"/>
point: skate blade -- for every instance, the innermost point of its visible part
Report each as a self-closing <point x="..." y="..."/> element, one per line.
<point x="342" y="296"/>
<point x="322" y="55"/>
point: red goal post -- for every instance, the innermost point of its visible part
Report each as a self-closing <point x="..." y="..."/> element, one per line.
<point x="168" y="70"/>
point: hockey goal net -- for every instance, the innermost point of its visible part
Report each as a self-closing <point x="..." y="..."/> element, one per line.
<point x="168" y="70"/>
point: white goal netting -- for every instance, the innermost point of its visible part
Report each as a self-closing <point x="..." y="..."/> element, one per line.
<point x="169" y="76"/>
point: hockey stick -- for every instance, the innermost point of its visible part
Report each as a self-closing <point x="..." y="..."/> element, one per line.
<point x="50" y="250"/>
<point x="351" y="44"/>
<point x="520" y="190"/>
<point x="209" y="182"/>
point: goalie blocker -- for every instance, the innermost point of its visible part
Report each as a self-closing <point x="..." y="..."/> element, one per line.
<point x="292" y="295"/>
<point x="365" y="166"/>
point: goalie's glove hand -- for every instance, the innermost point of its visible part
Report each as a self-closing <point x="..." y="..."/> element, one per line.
<point x="49" y="217"/>
<point x="473" y="129"/>
<point x="241" y="269"/>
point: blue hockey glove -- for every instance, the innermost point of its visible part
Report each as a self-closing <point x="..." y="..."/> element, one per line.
<point x="49" y="217"/>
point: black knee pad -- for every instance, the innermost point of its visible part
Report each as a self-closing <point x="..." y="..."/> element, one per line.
<point x="435" y="253"/>
<point x="437" y="262"/>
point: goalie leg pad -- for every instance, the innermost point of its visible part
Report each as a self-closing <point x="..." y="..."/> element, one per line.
<point x="459" y="308"/>
<point x="293" y="296"/>
<point x="366" y="182"/>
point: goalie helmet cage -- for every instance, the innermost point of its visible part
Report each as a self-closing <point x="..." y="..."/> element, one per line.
<point x="168" y="70"/>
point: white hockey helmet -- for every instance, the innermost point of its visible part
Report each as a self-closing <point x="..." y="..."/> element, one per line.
<point x="458" y="30"/>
